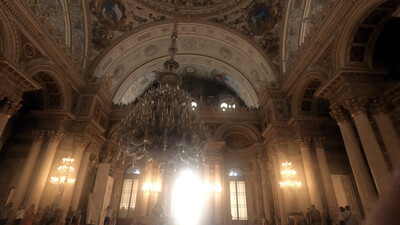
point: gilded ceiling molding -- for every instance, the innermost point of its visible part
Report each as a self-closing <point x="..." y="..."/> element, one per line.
<point x="43" y="40"/>
<point x="10" y="41"/>
<point x="318" y="42"/>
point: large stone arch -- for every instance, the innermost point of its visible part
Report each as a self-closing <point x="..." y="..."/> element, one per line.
<point x="358" y="53"/>
<point x="238" y="131"/>
<point x="50" y="76"/>
<point x="298" y="93"/>
<point x="234" y="56"/>
<point x="9" y="41"/>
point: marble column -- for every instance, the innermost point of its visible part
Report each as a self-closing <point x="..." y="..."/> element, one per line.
<point x="266" y="196"/>
<point x="372" y="150"/>
<point x="47" y="160"/>
<point x="80" y="180"/>
<point x="80" y="146"/>
<point x="363" y="181"/>
<point x="217" y="195"/>
<point x="326" y="179"/>
<point x="315" y="196"/>
<point x="388" y="133"/>
<point x="279" y="193"/>
<point x="6" y="111"/>
<point x="21" y="189"/>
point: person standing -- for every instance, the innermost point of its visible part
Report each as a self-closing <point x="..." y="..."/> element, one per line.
<point x="69" y="216"/>
<point x="29" y="216"/>
<point x="19" y="215"/>
<point x="6" y="213"/>
<point x="108" y="215"/>
<point x="349" y="218"/>
<point x="341" y="215"/>
<point x="315" y="216"/>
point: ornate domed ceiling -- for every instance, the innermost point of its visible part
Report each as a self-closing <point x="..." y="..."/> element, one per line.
<point x="249" y="42"/>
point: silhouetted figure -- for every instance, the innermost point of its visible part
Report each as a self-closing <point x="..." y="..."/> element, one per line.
<point x="19" y="215"/>
<point x="6" y="213"/>
<point x="315" y="216"/>
<point x="341" y="215"/>
<point x="349" y="218"/>
<point x="29" y="216"/>
<point x="108" y="215"/>
<point x="69" y="216"/>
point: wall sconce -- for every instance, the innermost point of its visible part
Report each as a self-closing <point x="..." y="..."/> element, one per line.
<point x="148" y="186"/>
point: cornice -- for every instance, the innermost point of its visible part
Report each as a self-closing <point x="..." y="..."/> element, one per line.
<point x="354" y="82"/>
<point x="49" y="45"/>
<point x="317" y="43"/>
<point x="23" y="80"/>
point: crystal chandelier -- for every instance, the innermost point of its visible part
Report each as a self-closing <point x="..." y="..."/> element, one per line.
<point x="289" y="175"/>
<point x="161" y="125"/>
<point x="64" y="170"/>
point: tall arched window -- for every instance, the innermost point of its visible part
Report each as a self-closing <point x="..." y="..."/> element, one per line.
<point x="129" y="193"/>
<point x="237" y="187"/>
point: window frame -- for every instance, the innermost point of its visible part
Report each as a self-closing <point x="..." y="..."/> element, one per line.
<point x="235" y="180"/>
<point x="134" y="178"/>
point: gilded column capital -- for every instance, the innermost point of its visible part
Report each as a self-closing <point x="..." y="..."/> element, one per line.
<point x="340" y="115"/>
<point x="38" y="135"/>
<point x="81" y="142"/>
<point x="356" y="105"/>
<point x="303" y="142"/>
<point x="55" y="136"/>
<point x="319" y="142"/>
<point x="378" y="106"/>
<point x="9" y="108"/>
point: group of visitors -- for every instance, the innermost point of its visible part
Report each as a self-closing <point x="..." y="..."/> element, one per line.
<point x="21" y="216"/>
<point x="314" y="217"/>
<point x="26" y="217"/>
<point x="346" y="217"/>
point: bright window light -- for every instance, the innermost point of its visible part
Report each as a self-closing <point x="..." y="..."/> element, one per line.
<point x="187" y="198"/>
<point x="194" y="105"/>
<point x="224" y="106"/>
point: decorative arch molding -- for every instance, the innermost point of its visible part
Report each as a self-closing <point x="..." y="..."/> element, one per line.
<point x="144" y="51"/>
<point x="55" y="74"/>
<point x="251" y="133"/>
<point x="298" y="94"/>
<point x="10" y="46"/>
<point x="347" y="54"/>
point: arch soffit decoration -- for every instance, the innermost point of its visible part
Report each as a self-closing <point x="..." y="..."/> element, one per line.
<point x="302" y="85"/>
<point x="248" y="131"/>
<point x="198" y="43"/>
<point x="10" y="40"/>
<point x="56" y="74"/>
<point x="349" y="31"/>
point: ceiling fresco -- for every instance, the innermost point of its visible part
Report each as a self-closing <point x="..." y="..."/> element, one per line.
<point x="305" y="17"/>
<point x="64" y="18"/>
<point x="112" y="18"/>
<point x="260" y="20"/>
<point x="198" y="44"/>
